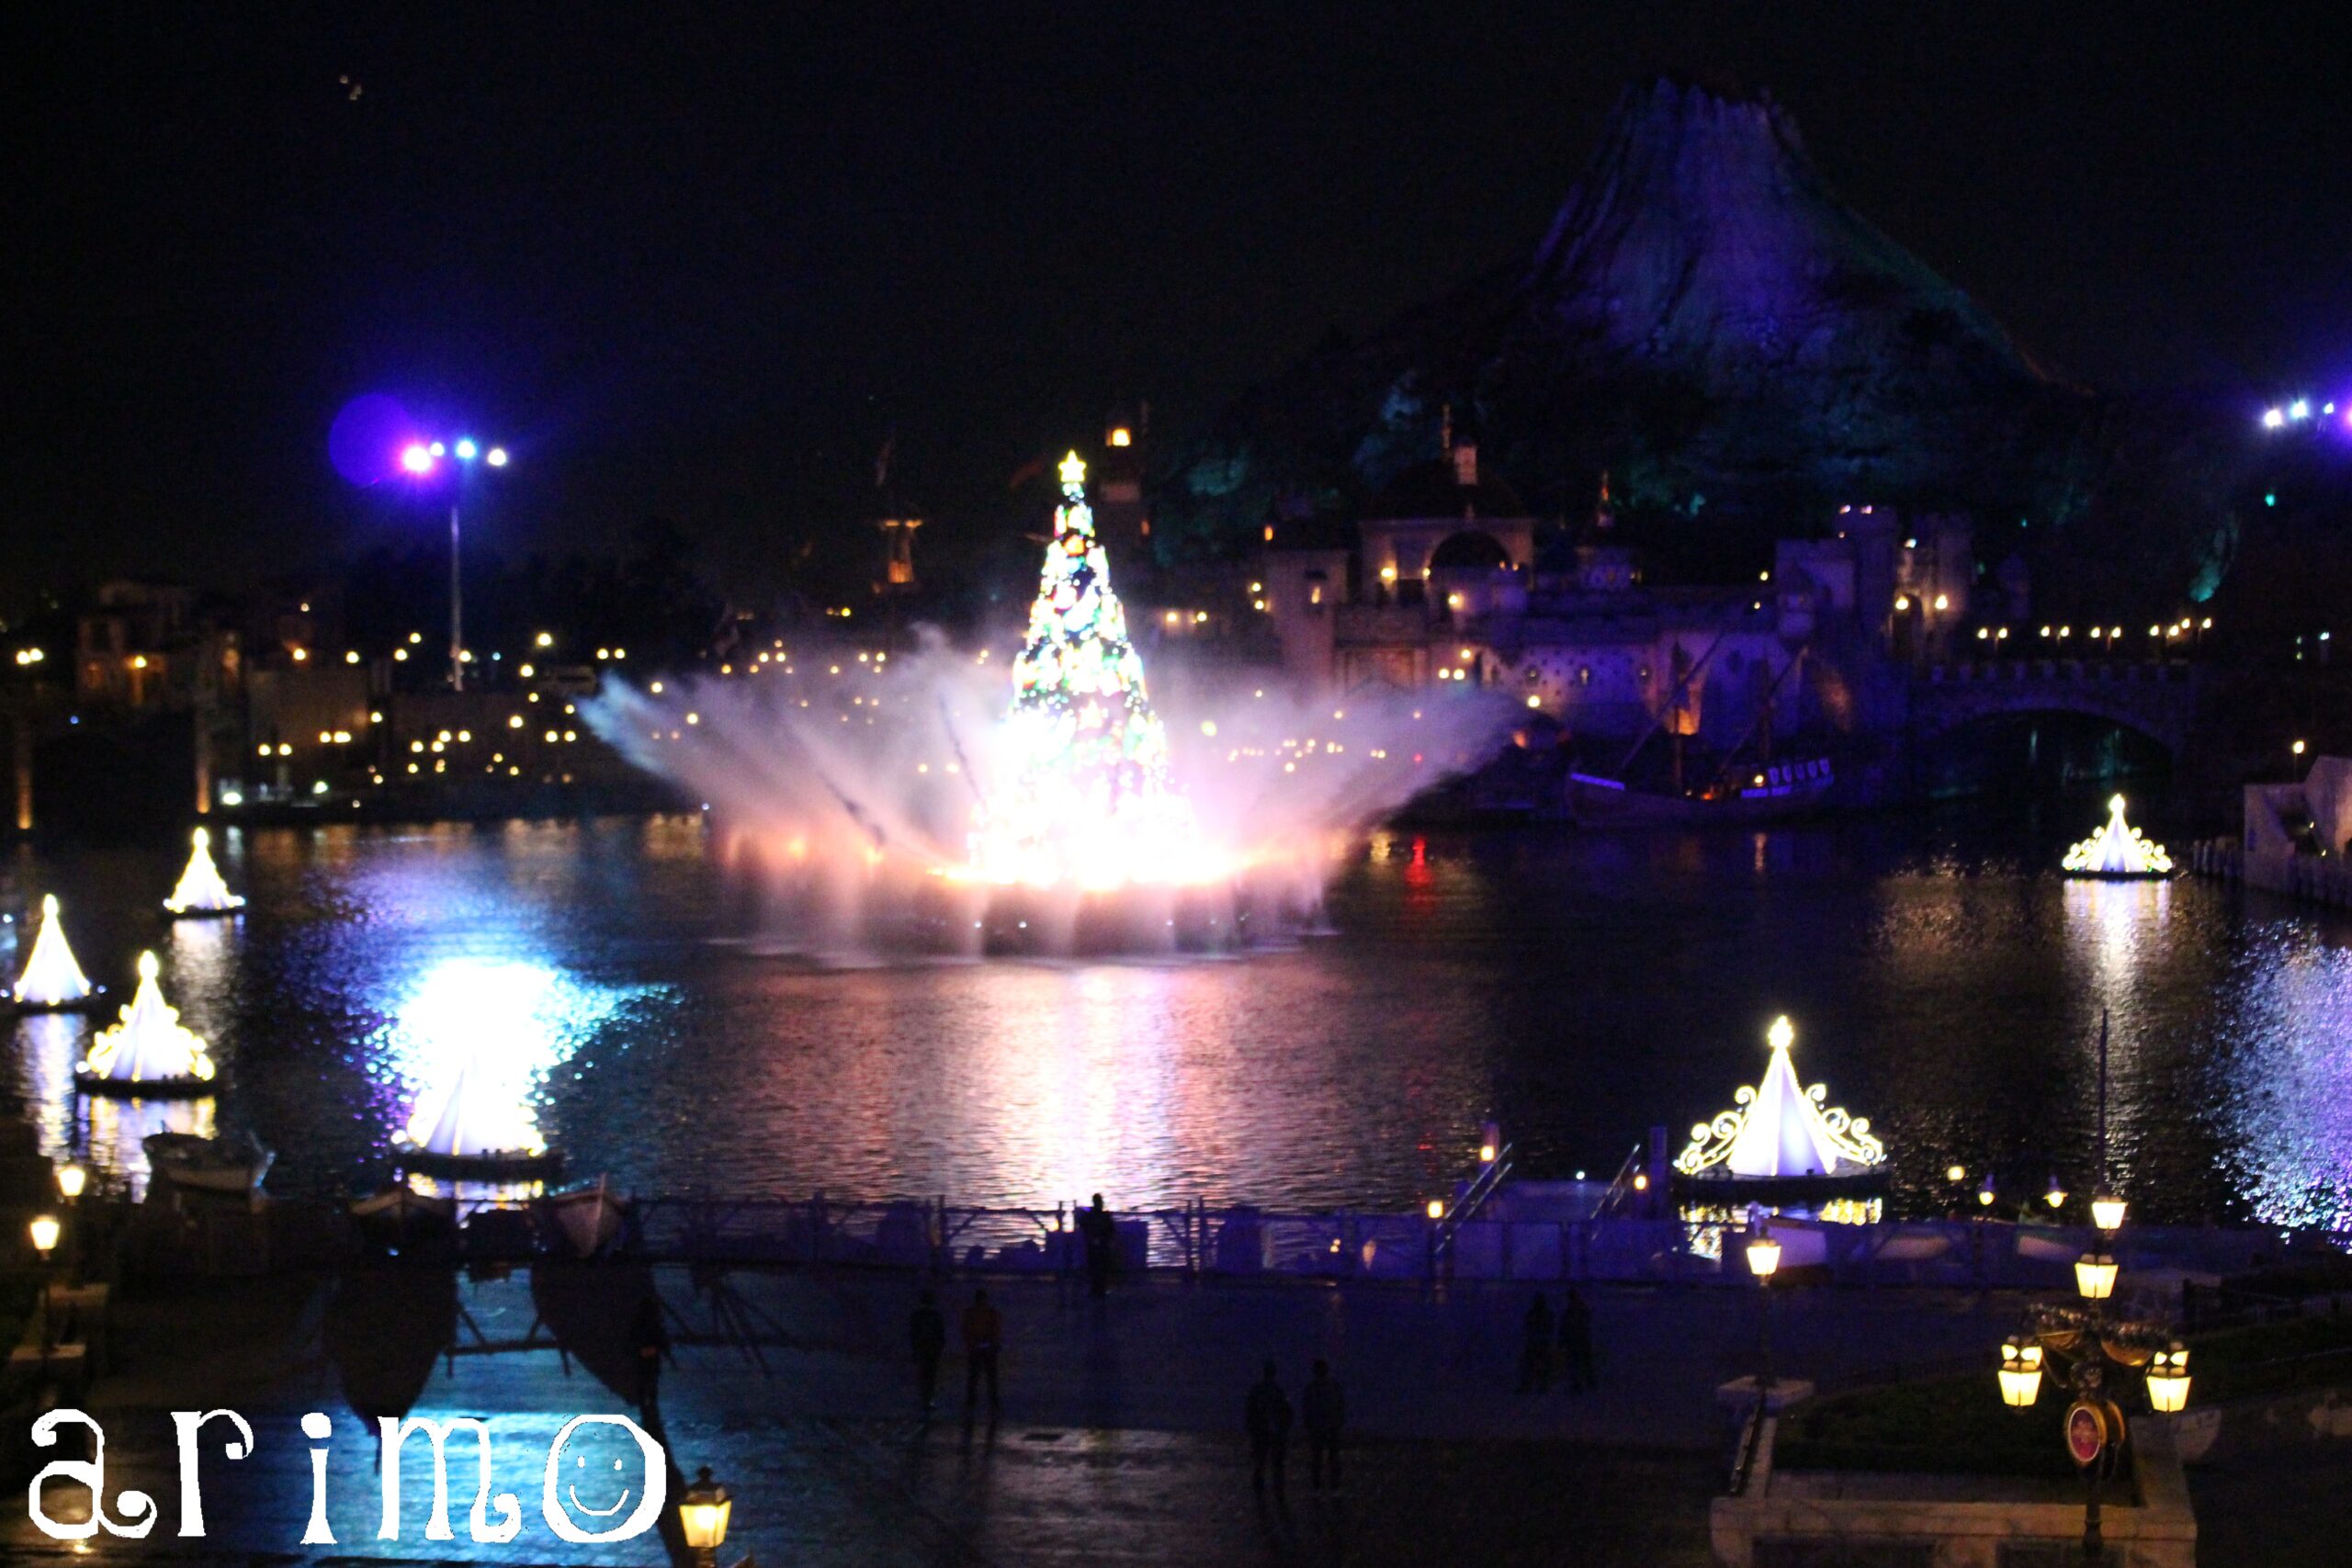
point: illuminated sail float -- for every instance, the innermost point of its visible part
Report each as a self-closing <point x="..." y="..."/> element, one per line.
<point x="2118" y="851"/>
<point x="1091" y="805"/>
<point x="201" y="892"/>
<point x="52" y="981"/>
<point x="1781" y="1139"/>
<point x="468" y="1125"/>
<point x="148" y="1053"/>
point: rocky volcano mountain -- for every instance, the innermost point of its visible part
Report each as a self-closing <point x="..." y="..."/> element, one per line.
<point x="1706" y="320"/>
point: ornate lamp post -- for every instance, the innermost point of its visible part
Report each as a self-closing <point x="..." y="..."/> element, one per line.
<point x="702" y="1517"/>
<point x="2087" y="1347"/>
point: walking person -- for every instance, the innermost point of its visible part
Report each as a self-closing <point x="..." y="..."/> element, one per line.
<point x="1266" y="1415"/>
<point x="927" y="1331"/>
<point x="648" y="1342"/>
<point x="1323" y="1408"/>
<point x="983" y="1336"/>
<point x="1575" y="1342"/>
<point x="1100" y="1234"/>
<point x="1535" y="1347"/>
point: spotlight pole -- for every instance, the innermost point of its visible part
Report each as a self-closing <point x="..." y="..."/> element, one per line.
<point x="457" y="602"/>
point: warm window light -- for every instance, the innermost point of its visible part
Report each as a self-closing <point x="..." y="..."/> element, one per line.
<point x="703" y="1512"/>
<point x="2020" y="1372"/>
<point x="1901" y="602"/>
<point x="1943" y="602"/>
<point x="1121" y="436"/>
<point x="2168" y="1380"/>
<point x="2095" y="1275"/>
<point x="1388" y="575"/>
<point x="2056" y="1196"/>
<point x="1763" y="1256"/>
<point x="1436" y="1209"/>
<point x="44" y="1230"/>
<point x="1955" y="1173"/>
<point x="1984" y="1194"/>
<point x="71" y="1179"/>
<point x="1486" y="1154"/>
<point x="2106" y="1212"/>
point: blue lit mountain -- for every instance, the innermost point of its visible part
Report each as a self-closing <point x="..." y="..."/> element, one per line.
<point x="1706" y="320"/>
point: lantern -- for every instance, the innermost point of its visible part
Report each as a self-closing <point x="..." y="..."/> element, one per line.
<point x="2168" y="1380"/>
<point x="1763" y="1256"/>
<point x="2056" y="1196"/>
<point x="702" y="1514"/>
<point x="71" y="1179"/>
<point x="2095" y="1275"/>
<point x="2020" y="1372"/>
<point x="2107" y="1210"/>
<point x="44" y="1231"/>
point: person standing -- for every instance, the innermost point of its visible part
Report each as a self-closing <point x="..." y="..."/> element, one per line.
<point x="983" y="1336"/>
<point x="1323" y="1408"/>
<point x="927" y="1330"/>
<point x="1535" y="1347"/>
<point x="1101" y="1235"/>
<point x="648" y="1342"/>
<point x="1576" y="1341"/>
<point x="1266" y="1415"/>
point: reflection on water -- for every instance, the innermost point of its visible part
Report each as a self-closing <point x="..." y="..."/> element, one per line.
<point x="608" y="979"/>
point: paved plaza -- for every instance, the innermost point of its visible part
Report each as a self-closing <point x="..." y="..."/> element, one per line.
<point x="1119" y="1439"/>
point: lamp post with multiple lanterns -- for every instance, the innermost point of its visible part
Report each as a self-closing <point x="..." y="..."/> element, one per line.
<point x="2086" y="1347"/>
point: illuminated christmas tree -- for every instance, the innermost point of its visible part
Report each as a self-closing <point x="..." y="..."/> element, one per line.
<point x="1089" y="801"/>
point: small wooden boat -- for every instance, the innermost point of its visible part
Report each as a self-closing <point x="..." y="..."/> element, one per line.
<point x="589" y="1217"/>
<point x="400" y="1209"/>
<point x="96" y="1001"/>
<point x="230" y="1165"/>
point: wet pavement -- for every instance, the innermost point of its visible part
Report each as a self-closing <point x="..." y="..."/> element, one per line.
<point x="1118" y="1441"/>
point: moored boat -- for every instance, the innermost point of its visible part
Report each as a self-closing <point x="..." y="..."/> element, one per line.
<point x="232" y="1165"/>
<point x="588" y="1217"/>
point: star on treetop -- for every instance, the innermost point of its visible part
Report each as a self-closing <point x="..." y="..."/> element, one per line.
<point x="1073" y="470"/>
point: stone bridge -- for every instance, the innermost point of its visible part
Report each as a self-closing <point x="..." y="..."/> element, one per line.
<point x="2157" y="699"/>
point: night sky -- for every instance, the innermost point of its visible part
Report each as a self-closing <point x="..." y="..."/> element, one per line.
<point x="698" y="260"/>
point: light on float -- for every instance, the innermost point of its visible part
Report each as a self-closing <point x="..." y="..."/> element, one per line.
<point x="2020" y="1372"/>
<point x="703" y="1513"/>
<point x="2168" y="1380"/>
<point x="2107" y="1210"/>
<point x="2094" y="1276"/>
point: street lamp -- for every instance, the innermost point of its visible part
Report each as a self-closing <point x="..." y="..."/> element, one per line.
<point x="71" y="1179"/>
<point x="2095" y="1275"/>
<point x="419" y="460"/>
<point x="1763" y="1261"/>
<point x="44" y="1231"/>
<point x="702" y="1517"/>
<point x="2056" y="1196"/>
<point x="2168" y="1380"/>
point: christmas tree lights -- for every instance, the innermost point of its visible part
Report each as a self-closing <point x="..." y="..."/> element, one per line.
<point x="1089" y="803"/>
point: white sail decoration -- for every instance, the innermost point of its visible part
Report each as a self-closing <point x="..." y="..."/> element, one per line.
<point x="149" y="1048"/>
<point x="1780" y="1129"/>
<point x="2117" y="849"/>
<point x="468" y="1117"/>
<point x="200" y="889"/>
<point x="52" y="977"/>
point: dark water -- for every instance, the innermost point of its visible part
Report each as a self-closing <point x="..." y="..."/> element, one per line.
<point x="1943" y="982"/>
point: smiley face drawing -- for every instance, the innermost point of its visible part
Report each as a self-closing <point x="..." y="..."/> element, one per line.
<point x="573" y="1492"/>
<point x="561" y="1489"/>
